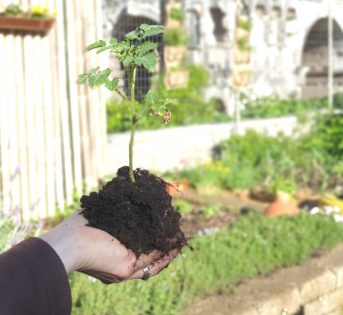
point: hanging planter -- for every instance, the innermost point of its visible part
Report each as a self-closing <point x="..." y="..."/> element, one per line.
<point x="38" y="19"/>
<point x="25" y="24"/>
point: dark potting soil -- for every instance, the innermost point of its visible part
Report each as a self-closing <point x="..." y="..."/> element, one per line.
<point x="140" y="214"/>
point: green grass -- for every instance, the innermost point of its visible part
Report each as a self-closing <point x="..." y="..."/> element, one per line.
<point x="253" y="246"/>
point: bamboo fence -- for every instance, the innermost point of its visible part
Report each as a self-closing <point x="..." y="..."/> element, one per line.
<point x="52" y="130"/>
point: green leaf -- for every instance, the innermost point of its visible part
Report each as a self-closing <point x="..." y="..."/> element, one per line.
<point x="112" y="84"/>
<point x="98" y="44"/>
<point x="149" y="61"/>
<point x="153" y="30"/>
<point x="132" y="35"/>
<point x="102" y="77"/>
<point x="127" y="60"/>
<point x="139" y="61"/>
<point x="146" y="47"/>
<point x="83" y="78"/>
<point x="113" y="41"/>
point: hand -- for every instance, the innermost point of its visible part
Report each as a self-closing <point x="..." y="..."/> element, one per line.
<point x="98" y="254"/>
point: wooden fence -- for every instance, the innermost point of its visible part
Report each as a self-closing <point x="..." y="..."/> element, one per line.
<point x="52" y="130"/>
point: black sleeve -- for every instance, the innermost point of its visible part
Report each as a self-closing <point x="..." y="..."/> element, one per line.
<point x="33" y="281"/>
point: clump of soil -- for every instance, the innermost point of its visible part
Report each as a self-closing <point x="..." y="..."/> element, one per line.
<point x="139" y="214"/>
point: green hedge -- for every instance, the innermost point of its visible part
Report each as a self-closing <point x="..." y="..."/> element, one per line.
<point x="254" y="245"/>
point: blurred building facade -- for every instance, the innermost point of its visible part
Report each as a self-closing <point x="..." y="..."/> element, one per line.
<point x="288" y="42"/>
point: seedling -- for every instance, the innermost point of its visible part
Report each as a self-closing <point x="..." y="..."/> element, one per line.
<point x="135" y="50"/>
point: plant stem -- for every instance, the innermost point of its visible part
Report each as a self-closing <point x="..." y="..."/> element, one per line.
<point x="132" y="79"/>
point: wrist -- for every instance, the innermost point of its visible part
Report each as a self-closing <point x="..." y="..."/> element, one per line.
<point x="65" y="248"/>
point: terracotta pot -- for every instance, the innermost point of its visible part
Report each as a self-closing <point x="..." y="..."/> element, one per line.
<point x="177" y="187"/>
<point x="23" y="24"/>
<point x="283" y="205"/>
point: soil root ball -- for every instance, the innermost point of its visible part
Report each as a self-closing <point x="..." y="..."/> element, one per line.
<point x="139" y="214"/>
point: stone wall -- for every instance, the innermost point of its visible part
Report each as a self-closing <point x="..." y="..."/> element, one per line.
<point x="183" y="147"/>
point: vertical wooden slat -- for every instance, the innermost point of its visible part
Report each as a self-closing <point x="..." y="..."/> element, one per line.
<point x="4" y="129"/>
<point x="73" y="101"/>
<point x="64" y="110"/>
<point x="21" y="126"/>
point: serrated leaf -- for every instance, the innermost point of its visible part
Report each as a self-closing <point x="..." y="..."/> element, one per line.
<point x="91" y="80"/>
<point x="146" y="47"/>
<point x="153" y="30"/>
<point x="112" y="84"/>
<point x="149" y="61"/>
<point x="113" y="41"/>
<point x="139" y="60"/>
<point x="122" y="46"/>
<point x="102" y="76"/>
<point x="100" y="50"/>
<point x="98" y="44"/>
<point x="144" y="27"/>
<point x="132" y="35"/>
<point x="83" y="78"/>
<point x="151" y="97"/>
<point x="127" y="60"/>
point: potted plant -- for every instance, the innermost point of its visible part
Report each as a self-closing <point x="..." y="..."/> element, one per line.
<point x="134" y="206"/>
<point x="37" y="20"/>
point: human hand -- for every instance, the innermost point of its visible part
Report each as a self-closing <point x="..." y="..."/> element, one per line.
<point x="98" y="254"/>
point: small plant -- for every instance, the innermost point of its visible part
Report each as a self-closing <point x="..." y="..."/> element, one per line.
<point x="138" y="211"/>
<point x="176" y="14"/>
<point x="243" y="44"/>
<point x="245" y="25"/>
<point x="183" y="206"/>
<point x="175" y="37"/>
<point x="40" y="12"/>
<point x="210" y="211"/>
<point x="13" y="10"/>
<point x="136" y="50"/>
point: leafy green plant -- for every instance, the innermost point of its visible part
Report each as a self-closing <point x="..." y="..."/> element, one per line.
<point x="183" y="206"/>
<point x="245" y="24"/>
<point x="136" y="50"/>
<point x="175" y="37"/>
<point x="13" y="10"/>
<point x="243" y="44"/>
<point x="210" y="211"/>
<point x="176" y="14"/>
<point x="254" y="245"/>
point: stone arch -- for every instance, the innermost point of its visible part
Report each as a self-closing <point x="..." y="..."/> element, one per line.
<point x="125" y="24"/>
<point x="315" y="58"/>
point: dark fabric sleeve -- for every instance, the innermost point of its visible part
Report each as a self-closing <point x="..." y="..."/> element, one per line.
<point x="33" y="281"/>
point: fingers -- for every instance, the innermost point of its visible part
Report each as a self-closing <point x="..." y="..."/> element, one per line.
<point x="146" y="260"/>
<point x="157" y="266"/>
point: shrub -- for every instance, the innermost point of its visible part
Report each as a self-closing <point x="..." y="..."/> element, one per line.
<point x="254" y="245"/>
<point x="176" y="14"/>
<point x="175" y="37"/>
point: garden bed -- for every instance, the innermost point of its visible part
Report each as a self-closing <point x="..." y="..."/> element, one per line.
<point x="254" y="245"/>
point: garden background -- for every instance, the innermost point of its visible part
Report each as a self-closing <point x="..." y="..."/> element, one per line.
<point x="256" y="90"/>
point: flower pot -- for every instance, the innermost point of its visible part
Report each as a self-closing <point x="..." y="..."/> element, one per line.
<point x="283" y="205"/>
<point x="24" y="24"/>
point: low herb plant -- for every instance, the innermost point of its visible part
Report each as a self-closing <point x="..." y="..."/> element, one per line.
<point x="136" y="50"/>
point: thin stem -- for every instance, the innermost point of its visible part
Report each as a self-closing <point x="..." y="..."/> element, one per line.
<point x="132" y="79"/>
